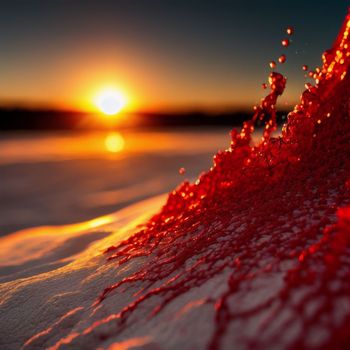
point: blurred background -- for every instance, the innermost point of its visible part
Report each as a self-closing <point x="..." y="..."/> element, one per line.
<point x="104" y="103"/>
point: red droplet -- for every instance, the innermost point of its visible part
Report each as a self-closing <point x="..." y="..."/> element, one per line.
<point x="290" y="30"/>
<point x="264" y="85"/>
<point x="182" y="171"/>
<point x="272" y="64"/>
<point x="282" y="59"/>
<point x="285" y="42"/>
<point x="305" y="67"/>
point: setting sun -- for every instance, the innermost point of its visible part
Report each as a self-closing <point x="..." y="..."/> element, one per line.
<point x="110" y="102"/>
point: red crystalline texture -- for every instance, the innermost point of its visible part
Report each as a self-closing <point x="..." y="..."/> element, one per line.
<point x="271" y="222"/>
<point x="258" y="210"/>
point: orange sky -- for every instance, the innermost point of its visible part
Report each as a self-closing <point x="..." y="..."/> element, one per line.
<point x="162" y="56"/>
<point x="72" y="82"/>
<point x="148" y="82"/>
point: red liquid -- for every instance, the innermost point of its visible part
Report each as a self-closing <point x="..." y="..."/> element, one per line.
<point x="282" y="59"/>
<point x="290" y="30"/>
<point x="285" y="42"/>
<point x="182" y="171"/>
<point x="272" y="64"/>
<point x="267" y="221"/>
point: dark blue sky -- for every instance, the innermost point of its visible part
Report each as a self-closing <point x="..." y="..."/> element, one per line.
<point x="164" y="54"/>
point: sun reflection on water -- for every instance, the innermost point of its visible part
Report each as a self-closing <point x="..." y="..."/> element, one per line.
<point x="114" y="142"/>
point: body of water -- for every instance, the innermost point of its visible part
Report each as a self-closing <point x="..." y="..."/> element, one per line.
<point x="62" y="178"/>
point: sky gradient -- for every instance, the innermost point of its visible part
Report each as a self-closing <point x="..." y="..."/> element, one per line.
<point x="163" y="55"/>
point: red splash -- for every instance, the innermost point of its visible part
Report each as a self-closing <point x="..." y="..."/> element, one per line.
<point x="267" y="220"/>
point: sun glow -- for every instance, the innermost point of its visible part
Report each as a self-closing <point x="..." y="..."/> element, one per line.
<point x="110" y="101"/>
<point x="114" y="142"/>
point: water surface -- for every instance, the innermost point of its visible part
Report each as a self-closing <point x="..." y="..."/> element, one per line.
<point x="66" y="177"/>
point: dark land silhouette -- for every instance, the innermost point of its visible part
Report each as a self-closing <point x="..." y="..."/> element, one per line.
<point x="49" y="119"/>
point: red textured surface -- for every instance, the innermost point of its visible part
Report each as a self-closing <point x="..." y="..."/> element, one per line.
<point x="277" y="209"/>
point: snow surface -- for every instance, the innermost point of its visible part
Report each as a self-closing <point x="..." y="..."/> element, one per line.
<point x="50" y="278"/>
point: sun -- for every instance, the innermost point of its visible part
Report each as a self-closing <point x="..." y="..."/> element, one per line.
<point x="110" y="102"/>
